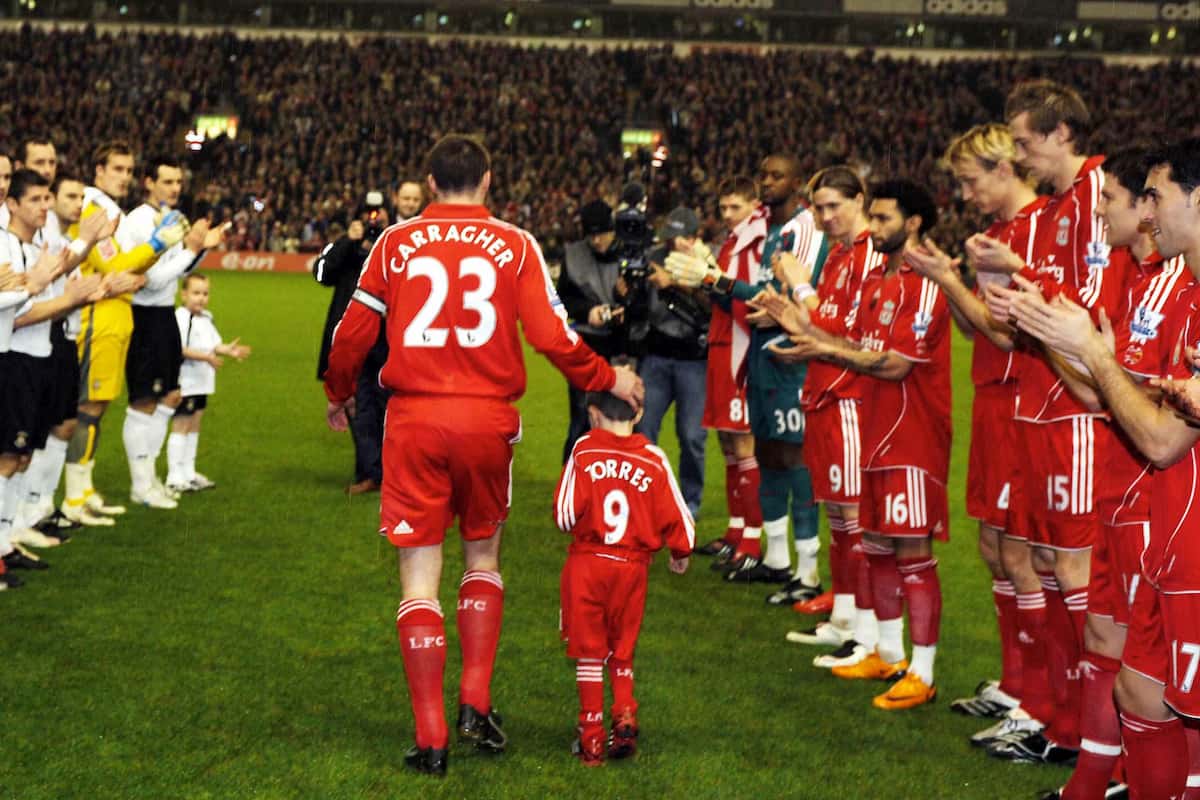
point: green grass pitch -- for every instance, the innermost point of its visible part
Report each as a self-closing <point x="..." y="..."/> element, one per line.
<point x="243" y="646"/>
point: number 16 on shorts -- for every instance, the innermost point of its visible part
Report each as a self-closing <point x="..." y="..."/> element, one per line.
<point x="904" y="501"/>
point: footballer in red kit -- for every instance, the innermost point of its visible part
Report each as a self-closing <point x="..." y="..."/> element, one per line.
<point x="1060" y="434"/>
<point x="831" y="399"/>
<point x="1122" y="485"/>
<point x="983" y="162"/>
<point x="992" y="462"/>
<point x="1069" y="255"/>
<point x="832" y="393"/>
<point x="901" y="344"/>
<point x="725" y="401"/>
<point x="618" y="498"/>
<point x="907" y="436"/>
<point x="453" y="283"/>
<point x="1156" y="684"/>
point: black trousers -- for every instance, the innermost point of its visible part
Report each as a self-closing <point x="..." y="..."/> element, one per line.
<point x="579" y="424"/>
<point x="366" y="428"/>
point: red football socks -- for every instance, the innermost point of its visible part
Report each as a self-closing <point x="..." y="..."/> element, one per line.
<point x="733" y="499"/>
<point x="841" y="581"/>
<point x="886" y="590"/>
<point x="864" y="597"/>
<point x="1099" y="729"/>
<point x="1062" y="658"/>
<point x="422" y="633"/>
<point x="1037" y="698"/>
<point x="1156" y="763"/>
<point x="749" y="480"/>
<point x="480" y="610"/>
<point x="1076" y="601"/>
<point x="620" y="674"/>
<point x="1192" y="733"/>
<point x="1004" y="596"/>
<point x="589" y="679"/>
<point x="923" y="593"/>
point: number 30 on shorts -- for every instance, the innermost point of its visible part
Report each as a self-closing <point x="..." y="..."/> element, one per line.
<point x="791" y="421"/>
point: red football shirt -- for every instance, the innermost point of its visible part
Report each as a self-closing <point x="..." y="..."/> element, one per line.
<point x="1069" y="254"/>
<point x="453" y="283"/>
<point x="906" y="423"/>
<point x="1124" y="490"/>
<point x="840" y="292"/>
<point x="618" y="497"/>
<point x="1170" y="561"/>
<point x="739" y="259"/>
<point x="990" y="364"/>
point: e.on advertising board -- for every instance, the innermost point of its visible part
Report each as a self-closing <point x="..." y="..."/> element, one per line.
<point x="249" y="261"/>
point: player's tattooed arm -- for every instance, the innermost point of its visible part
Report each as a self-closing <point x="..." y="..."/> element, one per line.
<point x="887" y="365"/>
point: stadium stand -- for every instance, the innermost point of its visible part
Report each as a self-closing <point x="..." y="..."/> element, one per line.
<point x="322" y="121"/>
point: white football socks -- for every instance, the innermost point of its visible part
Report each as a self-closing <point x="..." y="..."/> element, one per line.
<point x="193" y="443"/>
<point x="8" y="507"/>
<point x="136" y="434"/>
<point x="891" y="639"/>
<point x="177" y="458"/>
<point x="807" y="570"/>
<point x="843" y="614"/>
<point x="160" y="425"/>
<point x="922" y="662"/>
<point x="777" y="556"/>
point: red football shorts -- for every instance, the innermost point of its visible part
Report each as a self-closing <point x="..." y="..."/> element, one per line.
<point x="832" y="452"/>
<point x="904" y="501"/>
<point x="1181" y="629"/>
<point x="603" y="600"/>
<point x="993" y="460"/>
<point x="1019" y="522"/>
<point x="1146" y="650"/>
<point x="725" y="406"/>
<point x="445" y="458"/>
<point x="1116" y="570"/>
<point x="1057" y="499"/>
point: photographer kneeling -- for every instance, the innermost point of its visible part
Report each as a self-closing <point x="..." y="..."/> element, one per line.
<point x="674" y="354"/>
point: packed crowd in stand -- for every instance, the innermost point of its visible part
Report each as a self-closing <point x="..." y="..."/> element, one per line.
<point x="313" y="138"/>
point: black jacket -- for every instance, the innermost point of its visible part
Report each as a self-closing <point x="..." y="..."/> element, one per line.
<point x="589" y="280"/>
<point x="678" y="319"/>
<point x="339" y="265"/>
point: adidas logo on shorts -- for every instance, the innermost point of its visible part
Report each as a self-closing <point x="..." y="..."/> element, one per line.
<point x="402" y="528"/>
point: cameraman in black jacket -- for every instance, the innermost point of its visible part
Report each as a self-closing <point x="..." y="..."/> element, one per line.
<point x="588" y="288"/>
<point x="339" y="265"/>
<point x="675" y="361"/>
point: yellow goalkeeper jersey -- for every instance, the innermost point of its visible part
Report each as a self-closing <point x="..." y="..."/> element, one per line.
<point x="113" y="314"/>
